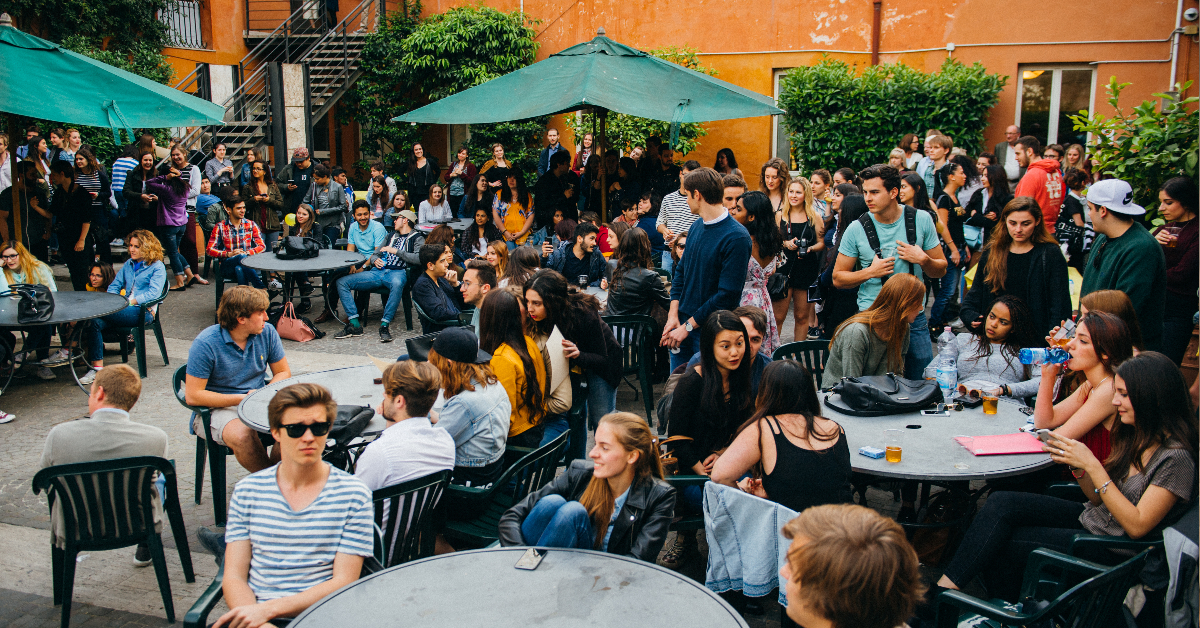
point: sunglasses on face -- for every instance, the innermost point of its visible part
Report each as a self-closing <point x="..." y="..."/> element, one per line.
<point x="296" y="430"/>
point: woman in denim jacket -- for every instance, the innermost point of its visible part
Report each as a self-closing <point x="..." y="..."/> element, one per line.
<point x="142" y="278"/>
<point x="477" y="410"/>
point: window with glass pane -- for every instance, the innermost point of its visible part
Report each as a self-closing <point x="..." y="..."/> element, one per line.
<point x="1048" y="96"/>
<point x="1075" y="96"/>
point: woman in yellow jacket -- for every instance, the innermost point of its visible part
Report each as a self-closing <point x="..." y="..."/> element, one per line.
<point x="514" y="357"/>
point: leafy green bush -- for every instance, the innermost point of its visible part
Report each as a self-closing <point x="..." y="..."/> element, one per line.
<point x="408" y="62"/>
<point x="837" y="118"/>
<point x="624" y="132"/>
<point x="1147" y="145"/>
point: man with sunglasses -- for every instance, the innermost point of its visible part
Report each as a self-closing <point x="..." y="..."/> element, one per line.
<point x="299" y="530"/>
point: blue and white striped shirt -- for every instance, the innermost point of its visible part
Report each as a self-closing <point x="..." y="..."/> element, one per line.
<point x="292" y="552"/>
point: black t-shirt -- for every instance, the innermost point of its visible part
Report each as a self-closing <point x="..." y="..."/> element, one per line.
<point x="574" y="267"/>
<point x="1016" y="280"/>
<point x="72" y="209"/>
<point x="957" y="215"/>
<point x="302" y="178"/>
<point x="665" y="181"/>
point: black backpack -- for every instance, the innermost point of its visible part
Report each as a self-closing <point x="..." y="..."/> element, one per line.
<point x="910" y="229"/>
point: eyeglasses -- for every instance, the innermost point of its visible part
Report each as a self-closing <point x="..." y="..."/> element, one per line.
<point x="944" y="407"/>
<point x="13" y="256"/>
<point x="296" y="430"/>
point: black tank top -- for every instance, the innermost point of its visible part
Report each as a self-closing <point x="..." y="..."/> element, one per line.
<point x="803" y="477"/>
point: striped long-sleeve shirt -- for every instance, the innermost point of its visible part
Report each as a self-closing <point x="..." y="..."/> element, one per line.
<point x="291" y="552"/>
<point x="226" y="237"/>
<point x="120" y="169"/>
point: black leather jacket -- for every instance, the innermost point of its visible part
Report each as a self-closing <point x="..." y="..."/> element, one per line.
<point x="637" y="293"/>
<point x="640" y="529"/>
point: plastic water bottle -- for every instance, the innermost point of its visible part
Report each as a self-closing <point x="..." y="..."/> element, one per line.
<point x="1038" y="356"/>
<point x="947" y="363"/>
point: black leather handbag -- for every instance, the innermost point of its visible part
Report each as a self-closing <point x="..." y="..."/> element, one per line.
<point x="298" y="247"/>
<point x="36" y="303"/>
<point x="880" y="395"/>
<point x="349" y="425"/>
<point x="777" y="286"/>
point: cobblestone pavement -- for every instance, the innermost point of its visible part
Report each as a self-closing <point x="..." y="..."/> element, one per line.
<point x="109" y="591"/>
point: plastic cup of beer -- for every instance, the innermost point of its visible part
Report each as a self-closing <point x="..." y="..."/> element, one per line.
<point x="893" y="444"/>
<point x="991" y="399"/>
<point x="1174" y="233"/>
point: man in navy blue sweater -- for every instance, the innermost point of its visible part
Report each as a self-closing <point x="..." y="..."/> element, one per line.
<point x="712" y="271"/>
<point x="436" y="289"/>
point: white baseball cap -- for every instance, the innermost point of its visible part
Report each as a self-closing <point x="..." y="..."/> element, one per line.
<point x="1116" y="195"/>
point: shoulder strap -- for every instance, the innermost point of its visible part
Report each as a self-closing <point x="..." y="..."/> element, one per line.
<point x="872" y="235"/>
<point x="910" y="224"/>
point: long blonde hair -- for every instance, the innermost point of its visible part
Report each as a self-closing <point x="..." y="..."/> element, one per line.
<point x="633" y="434"/>
<point x="899" y="295"/>
<point x="152" y="250"/>
<point x="817" y="222"/>
<point x="29" y="263"/>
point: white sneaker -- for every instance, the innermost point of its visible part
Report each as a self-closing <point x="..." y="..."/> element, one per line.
<point x="62" y="356"/>
<point x="45" y="373"/>
<point x="88" y="377"/>
<point x="6" y="417"/>
<point x="274" y="285"/>
<point x="117" y="242"/>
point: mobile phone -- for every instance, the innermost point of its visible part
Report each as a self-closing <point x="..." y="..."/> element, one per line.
<point x="1026" y="410"/>
<point x="530" y="559"/>
<point x="935" y="412"/>
<point x="1043" y="435"/>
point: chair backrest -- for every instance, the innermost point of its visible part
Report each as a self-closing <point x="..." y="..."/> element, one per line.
<point x="178" y="381"/>
<point x="158" y="299"/>
<point x="105" y="502"/>
<point x="404" y="515"/>
<point x="1095" y="601"/>
<point x="425" y="318"/>
<point x="534" y="470"/>
<point x="634" y="334"/>
<point x="813" y="354"/>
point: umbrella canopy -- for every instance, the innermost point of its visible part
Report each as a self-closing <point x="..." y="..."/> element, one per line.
<point x="604" y="74"/>
<point x="81" y="90"/>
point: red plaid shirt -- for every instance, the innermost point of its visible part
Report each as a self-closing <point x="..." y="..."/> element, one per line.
<point x="225" y="237"/>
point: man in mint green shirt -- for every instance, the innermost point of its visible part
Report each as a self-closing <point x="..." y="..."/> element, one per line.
<point x="365" y="235"/>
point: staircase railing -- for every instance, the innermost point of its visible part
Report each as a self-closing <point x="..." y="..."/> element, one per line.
<point x="343" y="44"/>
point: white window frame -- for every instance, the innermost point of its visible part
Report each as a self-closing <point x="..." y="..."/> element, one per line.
<point x="1055" y="93"/>
<point x="776" y="120"/>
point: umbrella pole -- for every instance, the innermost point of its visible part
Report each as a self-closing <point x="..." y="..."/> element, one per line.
<point x="18" y="185"/>
<point x="602" y="113"/>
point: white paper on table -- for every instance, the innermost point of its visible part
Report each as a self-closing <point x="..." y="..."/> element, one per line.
<point x="560" y="368"/>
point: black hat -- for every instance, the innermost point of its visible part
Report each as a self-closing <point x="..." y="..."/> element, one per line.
<point x="460" y="345"/>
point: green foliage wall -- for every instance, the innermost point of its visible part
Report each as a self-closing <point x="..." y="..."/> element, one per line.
<point x="838" y="118"/>
<point x="1146" y="146"/>
<point x="409" y="62"/>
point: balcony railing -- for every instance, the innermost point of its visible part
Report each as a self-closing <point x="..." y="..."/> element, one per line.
<point x="182" y="18"/>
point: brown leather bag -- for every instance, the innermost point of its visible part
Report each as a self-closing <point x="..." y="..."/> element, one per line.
<point x="291" y="327"/>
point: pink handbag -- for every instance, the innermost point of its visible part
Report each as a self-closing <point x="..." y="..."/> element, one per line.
<point x="292" y="327"/>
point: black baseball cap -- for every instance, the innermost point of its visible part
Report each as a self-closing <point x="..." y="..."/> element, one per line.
<point x="460" y="345"/>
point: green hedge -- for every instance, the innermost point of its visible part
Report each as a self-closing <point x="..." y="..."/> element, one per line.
<point x="837" y="117"/>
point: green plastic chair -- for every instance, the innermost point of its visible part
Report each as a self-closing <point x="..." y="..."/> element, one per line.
<point x="428" y="320"/>
<point x="139" y="333"/>
<point x="813" y="354"/>
<point x="216" y="452"/>
<point x="635" y="333"/>
<point x="530" y="473"/>
<point x="106" y="505"/>
<point x="407" y="532"/>
<point x="1081" y="594"/>
<point x="688" y="522"/>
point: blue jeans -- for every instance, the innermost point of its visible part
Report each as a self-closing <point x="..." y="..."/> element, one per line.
<point x="949" y="284"/>
<point x="170" y="238"/>
<point x="552" y="427"/>
<point x="127" y="317"/>
<point x="556" y="522"/>
<point x="232" y="269"/>
<point x="920" y="349"/>
<point x="333" y="233"/>
<point x="393" y="280"/>
<point x="668" y="263"/>
<point x="687" y="349"/>
<point x="601" y="399"/>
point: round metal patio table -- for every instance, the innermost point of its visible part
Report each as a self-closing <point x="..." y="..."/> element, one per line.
<point x="326" y="261"/>
<point x="457" y="225"/>
<point x="69" y="307"/>
<point x="569" y="589"/>
<point x="929" y="451"/>
<point x="354" y="386"/>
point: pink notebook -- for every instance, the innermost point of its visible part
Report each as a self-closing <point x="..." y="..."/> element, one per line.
<point x="1019" y="443"/>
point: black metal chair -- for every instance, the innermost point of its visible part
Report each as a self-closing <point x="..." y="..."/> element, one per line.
<point x="404" y="518"/>
<point x="813" y="354"/>
<point x="635" y="333"/>
<point x="530" y="473"/>
<point x="688" y="522"/>
<point x="1077" y="593"/>
<point x="107" y="505"/>
<point x="427" y="320"/>
<point x="216" y="452"/>
<point x="139" y="333"/>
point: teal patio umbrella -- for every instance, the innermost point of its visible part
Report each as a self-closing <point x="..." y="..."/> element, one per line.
<point x="603" y="75"/>
<point x="80" y="90"/>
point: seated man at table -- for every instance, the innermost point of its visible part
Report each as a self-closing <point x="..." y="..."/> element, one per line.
<point x="299" y="530"/>
<point x="411" y="446"/>
<point x="389" y="267"/>
<point x="581" y="259"/>
<point x="226" y="363"/>
<point x="436" y="289"/>
<point x="849" y="566"/>
<point x="109" y="433"/>
<point x="233" y="239"/>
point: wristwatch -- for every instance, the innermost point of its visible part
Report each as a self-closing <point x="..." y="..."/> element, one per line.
<point x="688" y="326"/>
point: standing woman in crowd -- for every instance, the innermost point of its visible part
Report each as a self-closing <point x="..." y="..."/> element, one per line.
<point x="843" y="176"/>
<point x="953" y="215"/>
<point x="896" y="160"/>
<point x="459" y="178"/>
<point x="802" y="458"/>
<point x="773" y="181"/>
<point x="378" y="199"/>
<point x="914" y="194"/>
<point x="1180" y="239"/>
<point x="399" y="203"/>
<point x="264" y="202"/>
<point x="496" y="169"/>
<point x="513" y="210"/>
<point x="998" y="195"/>
<point x="803" y="233"/>
<point x="521" y="264"/>
<point x="1075" y="158"/>
<point x="753" y="211"/>
<point x="92" y="177"/>
<point x="584" y="154"/>
<point x="72" y="209"/>
<point x="589" y="185"/>
<point x="821" y="181"/>
<point x="1100" y="345"/>
<point x="1021" y="258"/>
<point x="910" y="145"/>
<point x="875" y="341"/>
<point x="517" y="363"/>
<point x="726" y="163"/>
<point x="422" y="172"/>
<point x="617" y="502"/>
<point x="479" y="194"/>
<point x="172" y="194"/>
<point x="636" y="287"/>
<point x="474" y="239"/>
<point x="141" y="205"/>
<point x="434" y="209"/>
<point x="497" y="256"/>
<point x="251" y="156"/>
<point x="839" y="304"/>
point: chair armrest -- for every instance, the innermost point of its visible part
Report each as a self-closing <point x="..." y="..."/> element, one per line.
<point x="1066" y="490"/>
<point x="950" y="604"/>
<point x="197" y="615"/>
<point x="1050" y="567"/>
<point x="1082" y="541"/>
<point x="681" y="481"/>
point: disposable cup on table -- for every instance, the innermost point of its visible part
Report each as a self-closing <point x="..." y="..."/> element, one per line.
<point x="965" y="454"/>
<point x="893" y="441"/>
